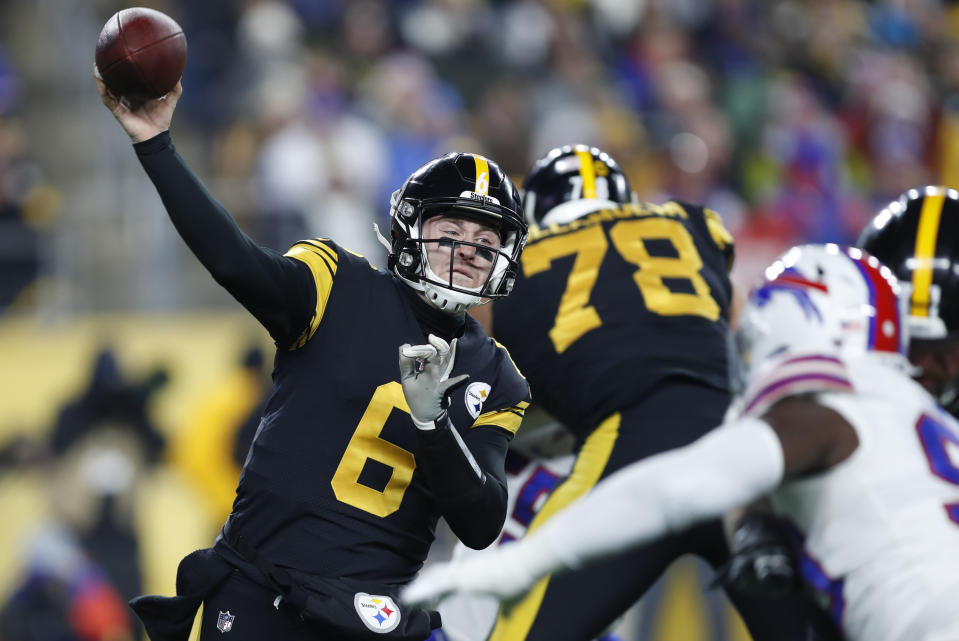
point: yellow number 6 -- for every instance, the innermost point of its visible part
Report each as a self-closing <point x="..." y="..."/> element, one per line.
<point x="367" y="444"/>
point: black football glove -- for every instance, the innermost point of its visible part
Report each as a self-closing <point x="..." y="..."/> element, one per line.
<point x="763" y="562"/>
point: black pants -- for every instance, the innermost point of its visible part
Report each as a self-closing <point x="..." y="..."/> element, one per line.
<point x="236" y="605"/>
<point x="254" y="618"/>
<point x="578" y="606"/>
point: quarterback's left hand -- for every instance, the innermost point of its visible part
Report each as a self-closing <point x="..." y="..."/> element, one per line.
<point x="494" y="573"/>
<point x="424" y="374"/>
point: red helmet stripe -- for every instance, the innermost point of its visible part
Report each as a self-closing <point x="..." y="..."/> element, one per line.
<point x="885" y="325"/>
<point x="787" y="278"/>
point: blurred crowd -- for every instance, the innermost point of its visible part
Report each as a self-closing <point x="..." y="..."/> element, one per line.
<point x="795" y="120"/>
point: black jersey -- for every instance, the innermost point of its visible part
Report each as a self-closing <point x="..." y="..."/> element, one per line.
<point x="611" y="303"/>
<point x="338" y="481"/>
<point x="331" y="485"/>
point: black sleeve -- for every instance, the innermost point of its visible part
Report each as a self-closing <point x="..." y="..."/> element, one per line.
<point x="471" y="499"/>
<point x="277" y="290"/>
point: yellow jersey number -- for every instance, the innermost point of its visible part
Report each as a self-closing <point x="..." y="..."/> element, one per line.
<point x="589" y="244"/>
<point x="367" y="444"/>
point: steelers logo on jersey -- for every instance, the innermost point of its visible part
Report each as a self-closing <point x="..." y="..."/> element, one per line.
<point x="379" y="613"/>
<point x="476" y="395"/>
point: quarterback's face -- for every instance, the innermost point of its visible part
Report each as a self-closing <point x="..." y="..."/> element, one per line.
<point x="467" y="265"/>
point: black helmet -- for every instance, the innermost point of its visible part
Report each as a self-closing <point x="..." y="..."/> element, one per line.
<point x="466" y="185"/>
<point x="586" y="177"/>
<point x="917" y="237"/>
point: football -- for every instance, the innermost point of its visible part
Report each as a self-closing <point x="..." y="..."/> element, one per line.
<point x="141" y="54"/>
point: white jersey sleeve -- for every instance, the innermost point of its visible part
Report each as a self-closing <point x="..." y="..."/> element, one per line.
<point x="642" y="502"/>
<point x="666" y="493"/>
<point x="800" y="374"/>
<point x="880" y="531"/>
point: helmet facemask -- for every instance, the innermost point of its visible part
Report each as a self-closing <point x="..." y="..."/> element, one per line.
<point x="443" y="285"/>
<point x="462" y="187"/>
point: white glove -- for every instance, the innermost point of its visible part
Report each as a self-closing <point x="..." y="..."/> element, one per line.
<point x="495" y="572"/>
<point x="424" y="374"/>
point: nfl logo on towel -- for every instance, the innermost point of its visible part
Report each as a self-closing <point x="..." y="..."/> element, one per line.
<point x="378" y="613"/>
<point x="224" y="622"/>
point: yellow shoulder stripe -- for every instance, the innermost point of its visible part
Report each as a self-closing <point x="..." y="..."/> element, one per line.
<point x="321" y="259"/>
<point x="508" y="419"/>
<point x="503" y="347"/>
<point x="323" y="248"/>
<point x="717" y="230"/>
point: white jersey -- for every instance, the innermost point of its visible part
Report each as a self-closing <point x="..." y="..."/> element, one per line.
<point x="881" y="529"/>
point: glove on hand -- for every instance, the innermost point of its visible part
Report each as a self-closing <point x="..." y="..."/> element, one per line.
<point x="763" y="562"/>
<point x="496" y="572"/>
<point x="424" y="374"/>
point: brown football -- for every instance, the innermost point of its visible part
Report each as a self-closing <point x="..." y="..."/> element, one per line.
<point x="141" y="53"/>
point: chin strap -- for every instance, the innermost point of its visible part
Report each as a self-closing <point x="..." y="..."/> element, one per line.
<point x="380" y="237"/>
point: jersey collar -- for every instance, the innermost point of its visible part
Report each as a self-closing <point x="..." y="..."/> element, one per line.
<point x="432" y="320"/>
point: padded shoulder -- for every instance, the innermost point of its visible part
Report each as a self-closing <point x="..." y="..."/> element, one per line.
<point x="804" y="374"/>
<point x="508" y="398"/>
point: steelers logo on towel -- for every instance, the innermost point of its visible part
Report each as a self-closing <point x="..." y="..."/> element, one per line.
<point x="378" y="613"/>
<point x="476" y="395"/>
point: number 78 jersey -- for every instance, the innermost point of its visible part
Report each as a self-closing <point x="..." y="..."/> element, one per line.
<point x="610" y="303"/>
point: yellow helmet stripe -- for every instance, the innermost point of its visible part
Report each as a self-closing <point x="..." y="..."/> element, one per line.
<point x="587" y="171"/>
<point x="925" y="251"/>
<point x="482" y="175"/>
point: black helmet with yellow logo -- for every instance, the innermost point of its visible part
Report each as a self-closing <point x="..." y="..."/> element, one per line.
<point x="917" y="236"/>
<point x="466" y="186"/>
<point x="571" y="181"/>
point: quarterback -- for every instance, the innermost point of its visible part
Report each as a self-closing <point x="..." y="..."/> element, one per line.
<point x="390" y="406"/>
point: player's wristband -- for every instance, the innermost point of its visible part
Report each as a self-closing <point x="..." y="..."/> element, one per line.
<point x="442" y="433"/>
<point x="440" y="421"/>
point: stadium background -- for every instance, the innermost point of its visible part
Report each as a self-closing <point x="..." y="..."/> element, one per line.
<point x="795" y="120"/>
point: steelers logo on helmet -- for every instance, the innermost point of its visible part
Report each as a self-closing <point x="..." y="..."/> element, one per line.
<point x="460" y="188"/>
<point x="917" y="236"/>
<point x="570" y="182"/>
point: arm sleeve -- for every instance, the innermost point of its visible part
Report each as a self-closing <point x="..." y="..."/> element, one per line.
<point x="669" y="492"/>
<point x="278" y="291"/>
<point x="468" y="479"/>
